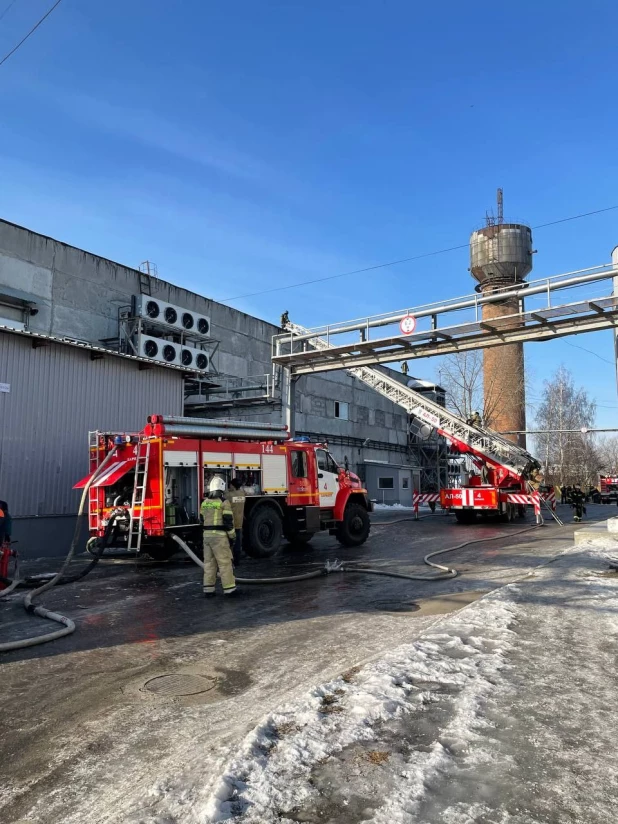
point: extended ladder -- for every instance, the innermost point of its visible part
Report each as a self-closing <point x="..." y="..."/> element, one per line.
<point x="93" y="492"/>
<point x="483" y="442"/>
<point x="136" y="523"/>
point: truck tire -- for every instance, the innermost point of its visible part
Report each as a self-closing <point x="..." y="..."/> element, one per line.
<point x="509" y="515"/>
<point x="263" y="532"/>
<point x="353" y="530"/>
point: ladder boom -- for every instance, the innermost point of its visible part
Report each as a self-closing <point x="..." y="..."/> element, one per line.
<point x="482" y="442"/>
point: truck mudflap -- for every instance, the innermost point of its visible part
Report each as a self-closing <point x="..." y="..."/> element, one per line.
<point x="470" y="498"/>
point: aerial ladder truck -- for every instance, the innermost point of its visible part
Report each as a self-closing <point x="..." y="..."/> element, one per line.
<point x="501" y="486"/>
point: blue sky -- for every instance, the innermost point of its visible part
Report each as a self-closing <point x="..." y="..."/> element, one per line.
<point x="245" y="145"/>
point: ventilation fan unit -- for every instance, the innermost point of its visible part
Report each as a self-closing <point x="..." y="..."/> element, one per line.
<point x="175" y="317"/>
<point x="160" y="350"/>
<point x="202" y="325"/>
<point x="150" y="309"/>
<point x="195" y="359"/>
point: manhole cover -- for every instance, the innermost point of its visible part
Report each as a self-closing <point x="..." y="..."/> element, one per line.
<point x="180" y="684"/>
<point x="397" y="606"/>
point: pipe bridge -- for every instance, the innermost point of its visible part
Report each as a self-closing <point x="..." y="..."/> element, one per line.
<point x="440" y="329"/>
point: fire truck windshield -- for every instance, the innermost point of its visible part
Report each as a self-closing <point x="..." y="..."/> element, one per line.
<point x="326" y="462"/>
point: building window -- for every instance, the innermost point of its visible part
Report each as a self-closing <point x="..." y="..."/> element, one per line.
<point x="380" y="418"/>
<point x="405" y="483"/>
<point x="299" y="464"/>
<point x="386" y="483"/>
<point x="342" y="410"/>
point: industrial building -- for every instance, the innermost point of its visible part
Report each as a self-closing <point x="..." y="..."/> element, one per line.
<point x="86" y="343"/>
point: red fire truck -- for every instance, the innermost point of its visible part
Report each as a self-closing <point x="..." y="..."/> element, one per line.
<point x="608" y="487"/>
<point x="155" y="482"/>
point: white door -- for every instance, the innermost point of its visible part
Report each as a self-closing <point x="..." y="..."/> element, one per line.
<point x="328" y="473"/>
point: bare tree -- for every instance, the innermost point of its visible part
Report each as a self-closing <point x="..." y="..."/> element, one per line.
<point x="461" y="375"/>
<point x="608" y="454"/>
<point x="569" y="457"/>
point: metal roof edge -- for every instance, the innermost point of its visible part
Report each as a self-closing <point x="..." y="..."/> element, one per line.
<point x="89" y="347"/>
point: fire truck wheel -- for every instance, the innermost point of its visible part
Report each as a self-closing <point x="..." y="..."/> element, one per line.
<point x="263" y="532"/>
<point x="354" y="528"/>
<point x="509" y="515"/>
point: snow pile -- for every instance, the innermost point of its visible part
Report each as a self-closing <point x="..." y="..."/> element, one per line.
<point x="271" y="776"/>
<point x="389" y="507"/>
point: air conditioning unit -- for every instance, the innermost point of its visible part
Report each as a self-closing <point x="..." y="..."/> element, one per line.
<point x="196" y="324"/>
<point x="160" y="350"/>
<point x="175" y="317"/>
<point x="194" y="358"/>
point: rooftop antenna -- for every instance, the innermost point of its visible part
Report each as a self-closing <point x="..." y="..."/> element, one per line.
<point x="500" y="199"/>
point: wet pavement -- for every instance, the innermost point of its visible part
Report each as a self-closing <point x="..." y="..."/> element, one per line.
<point x="78" y="718"/>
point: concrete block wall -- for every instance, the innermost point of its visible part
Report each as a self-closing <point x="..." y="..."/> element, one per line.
<point x="78" y="295"/>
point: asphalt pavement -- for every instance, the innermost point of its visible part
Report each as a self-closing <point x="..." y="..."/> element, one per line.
<point x="85" y="716"/>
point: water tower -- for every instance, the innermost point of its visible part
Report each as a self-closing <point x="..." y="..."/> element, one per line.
<point x="501" y="257"/>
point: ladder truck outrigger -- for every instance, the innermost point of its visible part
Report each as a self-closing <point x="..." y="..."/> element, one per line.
<point x="152" y="486"/>
<point x="503" y="486"/>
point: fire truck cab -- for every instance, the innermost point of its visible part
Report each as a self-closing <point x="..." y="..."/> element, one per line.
<point x="156" y="482"/>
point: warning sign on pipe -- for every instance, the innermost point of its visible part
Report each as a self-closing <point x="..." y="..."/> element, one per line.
<point x="407" y="324"/>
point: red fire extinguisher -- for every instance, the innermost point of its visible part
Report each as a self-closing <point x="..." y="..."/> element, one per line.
<point x="6" y="553"/>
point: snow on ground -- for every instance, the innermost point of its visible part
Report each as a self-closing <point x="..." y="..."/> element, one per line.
<point x="390" y="507"/>
<point x="500" y="713"/>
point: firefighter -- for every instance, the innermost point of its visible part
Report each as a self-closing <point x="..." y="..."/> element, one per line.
<point x="404" y="368"/>
<point x="475" y="420"/>
<point x="577" y="500"/>
<point x="219" y="537"/>
<point x="236" y="498"/>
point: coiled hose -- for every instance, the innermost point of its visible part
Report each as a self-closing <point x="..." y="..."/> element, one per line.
<point x="68" y="625"/>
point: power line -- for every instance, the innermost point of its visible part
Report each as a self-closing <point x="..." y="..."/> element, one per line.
<point x="32" y="30"/>
<point x="8" y="8"/>
<point x="590" y="352"/>
<point x="401" y="260"/>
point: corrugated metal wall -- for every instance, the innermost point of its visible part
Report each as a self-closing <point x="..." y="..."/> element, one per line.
<point x="57" y="394"/>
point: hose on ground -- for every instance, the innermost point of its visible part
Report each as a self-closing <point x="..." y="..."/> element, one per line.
<point x="334" y="566"/>
<point x="444" y="573"/>
<point x="31" y="581"/>
<point x="68" y="625"/>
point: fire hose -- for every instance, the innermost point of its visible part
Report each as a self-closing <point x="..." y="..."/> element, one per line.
<point x="41" y="611"/>
<point x="443" y="574"/>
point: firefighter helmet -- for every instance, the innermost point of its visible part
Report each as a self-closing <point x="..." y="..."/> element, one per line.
<point x="217" y="484"/>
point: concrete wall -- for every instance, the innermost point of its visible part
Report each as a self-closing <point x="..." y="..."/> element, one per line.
<point x="78" y="295"/>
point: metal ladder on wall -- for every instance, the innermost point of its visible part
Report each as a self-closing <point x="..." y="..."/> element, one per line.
<point x="483" y="442"/>
<point x="136" y="524"/>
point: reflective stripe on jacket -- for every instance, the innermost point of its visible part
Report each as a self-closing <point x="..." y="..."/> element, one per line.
<point x="217" y="517"/>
